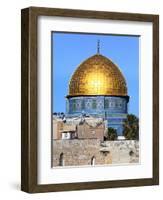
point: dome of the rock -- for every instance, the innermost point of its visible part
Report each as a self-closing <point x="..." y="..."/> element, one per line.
<point x="97" y="75"/>
<point x="98" y="88"/>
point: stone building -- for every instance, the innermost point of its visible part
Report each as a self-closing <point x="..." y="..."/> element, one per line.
<point x="87" y="131"/>
<point x="79" y="128"/>
<point x="91" y="152"/>
<point x="80" y="141"/>
<point x="79" y="152"/>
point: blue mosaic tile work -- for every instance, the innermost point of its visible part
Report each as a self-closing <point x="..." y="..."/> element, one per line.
<point x="112" y="108"/>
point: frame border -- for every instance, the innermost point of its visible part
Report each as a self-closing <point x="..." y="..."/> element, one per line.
<point x="29" y="99"/>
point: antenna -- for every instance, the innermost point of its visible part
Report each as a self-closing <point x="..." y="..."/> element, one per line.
<point x="98" y="46"/>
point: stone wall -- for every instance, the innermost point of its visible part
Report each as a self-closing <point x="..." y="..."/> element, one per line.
<point x="83" y="151"/>
<point x="125" y="151"/>
<point x="85" y="131"/>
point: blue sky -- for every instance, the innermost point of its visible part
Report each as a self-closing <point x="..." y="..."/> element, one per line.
<point x="70" y="49"/>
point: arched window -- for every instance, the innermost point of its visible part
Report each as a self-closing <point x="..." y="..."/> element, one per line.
<point x="61" y="160"/>
<point x="131" y="153"/>
<point x="94" y="104"/>
<point x="93" y="161"/>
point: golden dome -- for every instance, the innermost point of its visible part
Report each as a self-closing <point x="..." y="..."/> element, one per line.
<point x="97" y="75"/>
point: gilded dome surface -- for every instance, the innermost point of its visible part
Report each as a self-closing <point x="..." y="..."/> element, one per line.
<point x="97" y="75"/>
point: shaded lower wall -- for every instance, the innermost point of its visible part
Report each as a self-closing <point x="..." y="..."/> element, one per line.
<point x="91" y="151"/>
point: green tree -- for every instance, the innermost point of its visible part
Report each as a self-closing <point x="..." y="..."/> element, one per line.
<point x="131" y="127"/>
<point x="111" y="134"/>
